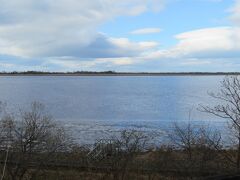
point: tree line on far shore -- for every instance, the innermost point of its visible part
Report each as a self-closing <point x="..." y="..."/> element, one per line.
<point x="110" y="72"/>
<point x="48" y="72"/>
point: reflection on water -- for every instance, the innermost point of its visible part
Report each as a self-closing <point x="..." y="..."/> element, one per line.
<point x="108" y="102"/>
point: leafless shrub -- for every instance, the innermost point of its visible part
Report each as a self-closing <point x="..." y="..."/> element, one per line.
<point x="195" y="148"/>
<point x="120" y="152"/>
<point x="33" y="140"/>
<point x="228" y="108"/>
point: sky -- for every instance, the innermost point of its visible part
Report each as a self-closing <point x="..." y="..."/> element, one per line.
<point x="126" y="35"/>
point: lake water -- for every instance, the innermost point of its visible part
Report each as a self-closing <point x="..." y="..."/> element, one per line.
<point x="99" y="103"/>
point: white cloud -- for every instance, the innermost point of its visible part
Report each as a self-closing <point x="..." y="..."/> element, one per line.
<point x="70" y="63"/>
<point x="195" y="62"/>
<point x="127" y="45"/>
<point x="74" y="64"/>
<point x="211" y="40"/>
<point x="64" y="33"/>
<point x="6" y="65"/>
<point x="204" y="43"/>
<point x="116" y="61"/>
<point x="235" y="10"/>
<point x="146" y="31"/>
<point x="195" y="48"/>
<point x="30" y="28"/>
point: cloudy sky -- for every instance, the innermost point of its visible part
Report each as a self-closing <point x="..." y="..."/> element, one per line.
<point x="126" y="35"/>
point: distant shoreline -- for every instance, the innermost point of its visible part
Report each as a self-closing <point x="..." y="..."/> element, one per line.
<point x="110" y="73"/>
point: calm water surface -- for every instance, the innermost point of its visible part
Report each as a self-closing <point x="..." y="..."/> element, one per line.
<point x="114" y="102"/>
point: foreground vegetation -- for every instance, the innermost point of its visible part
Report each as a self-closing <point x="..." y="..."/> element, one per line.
<point x="34" y="146"/>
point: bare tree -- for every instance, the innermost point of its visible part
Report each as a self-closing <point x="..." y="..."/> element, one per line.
<point x="195" y="146"/>
<point x="34" y="139"/>
<point x="228" y="108"/>
<point x="131" y="143"/>
<point x="119" y="152"/>
<point x="184" y="137"/>
<point x="0" y="106"/>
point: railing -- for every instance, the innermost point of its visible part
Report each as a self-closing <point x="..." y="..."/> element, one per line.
<point x="102" y="149"/>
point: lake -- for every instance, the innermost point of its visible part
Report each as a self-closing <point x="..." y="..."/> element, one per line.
<point x="87" y="104"/>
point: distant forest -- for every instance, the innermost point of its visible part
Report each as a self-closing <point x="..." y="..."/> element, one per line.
<point x="114" y="73"/>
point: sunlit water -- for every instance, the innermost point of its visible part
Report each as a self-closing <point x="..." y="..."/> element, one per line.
<point x="91" y="106"/>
